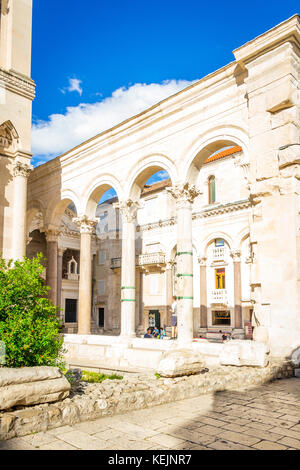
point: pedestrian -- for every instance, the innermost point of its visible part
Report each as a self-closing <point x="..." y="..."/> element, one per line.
<point x="162" y="333"/>
<point x="148" y="334"/>
<point x="174" y="318"/>
<point x="155" y="332"/>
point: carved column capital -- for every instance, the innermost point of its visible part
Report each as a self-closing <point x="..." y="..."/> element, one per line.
<point x="61" y="251"/>
<point x="202" y="261"/>
<point x="236" y="256"/>
<point x="85" y="224"/>
<point x="52" y="234"/>
<point x="22" y="169"/>
<point x="184" y="194"/>
<point x="128" y="209"/>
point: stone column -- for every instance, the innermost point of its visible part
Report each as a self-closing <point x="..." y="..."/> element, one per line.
<point x="86" y="226"/>
<point x="169" y="290"/>
<point x="60" y="254"/>
<point x="203" y="293"/>
<point x="184" y="195"/>
<point x="51" y="271"/>
<point x="238" y="320"/>
<point x="21" y="172"/>
<point x="128" y="211"/>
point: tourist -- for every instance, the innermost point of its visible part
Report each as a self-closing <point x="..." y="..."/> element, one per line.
<point x="174" y="318"/>
<point x="148" y="334"/>
<point x="155" y="332"/>
<point x="162" y="333"/>
<point x="224" y="336"/>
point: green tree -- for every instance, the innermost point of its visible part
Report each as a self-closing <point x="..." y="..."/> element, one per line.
<point x="29" y="326"/>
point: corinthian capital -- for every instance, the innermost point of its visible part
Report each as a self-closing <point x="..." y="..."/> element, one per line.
<point x="22" y="169"/>
<point x="184" y="193"/>
<point x="236" y="255"/>
<point x="128" y="209"/>
<point x="85" y="224"/>
<point x="52" y="234"/>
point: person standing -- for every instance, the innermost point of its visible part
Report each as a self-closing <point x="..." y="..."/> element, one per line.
<point x="174" y="318"/>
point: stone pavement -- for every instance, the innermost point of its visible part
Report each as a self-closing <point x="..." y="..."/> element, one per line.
<point x="265" y="417"/>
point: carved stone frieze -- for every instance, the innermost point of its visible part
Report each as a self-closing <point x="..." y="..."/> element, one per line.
<point x="17" y="83"/>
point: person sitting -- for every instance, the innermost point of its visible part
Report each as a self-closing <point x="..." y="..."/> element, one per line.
<point x="155" y="332"/>
<point x="162" y="333"/>
<point x="148" y="334"/>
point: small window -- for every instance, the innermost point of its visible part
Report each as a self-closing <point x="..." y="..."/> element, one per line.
<point x="220" y="278"/>
<point x="219" y="242"/>
<point x="71" y="311"/>
<point x="101" y="317"/>
<point x="211" y="190"/>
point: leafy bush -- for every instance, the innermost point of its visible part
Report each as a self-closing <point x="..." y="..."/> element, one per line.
<point x="29" y="326"/>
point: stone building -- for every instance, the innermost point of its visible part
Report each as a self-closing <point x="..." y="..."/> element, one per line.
<point x="16" y="95"/>
<point x="222" y="232"/>
<point x="220" y="239"/>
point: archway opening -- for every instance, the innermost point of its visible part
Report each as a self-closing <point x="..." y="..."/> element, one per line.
<point x="212" y="152"/>
<point x="107" y="258"/>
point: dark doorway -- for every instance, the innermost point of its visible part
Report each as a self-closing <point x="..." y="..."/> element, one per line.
<point x="154" y="319"/>
<point x="101" y="317"/>
<point x="71" y="311"/>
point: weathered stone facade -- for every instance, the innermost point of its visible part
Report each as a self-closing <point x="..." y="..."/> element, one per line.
<point x="17" y="91"/>
<point x="253" y="104"/>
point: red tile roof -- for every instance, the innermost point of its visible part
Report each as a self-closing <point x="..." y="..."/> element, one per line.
<point x="148" y="188"/>
<point x="224" y="153"/>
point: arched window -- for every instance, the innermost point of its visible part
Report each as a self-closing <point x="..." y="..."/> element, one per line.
<point x="211" y="190"/>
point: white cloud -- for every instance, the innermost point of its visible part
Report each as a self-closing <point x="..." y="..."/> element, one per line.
<point x="61" y="132"/>
<point x="74" y="85"/>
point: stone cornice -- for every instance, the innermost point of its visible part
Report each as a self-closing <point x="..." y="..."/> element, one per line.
<point x="17" y="83"/>
<point x="287" y="31"/>
<point x="223" y="209"/>
<point x="211" y="212"/>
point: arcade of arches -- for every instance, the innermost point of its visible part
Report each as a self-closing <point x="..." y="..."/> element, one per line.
<point x="221" y="231"/>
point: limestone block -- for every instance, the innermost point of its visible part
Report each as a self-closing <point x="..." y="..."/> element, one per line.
<point x="281" y="96"/>
<point x="289" y="155"/>
<point x="180" y="362"/>
<point x="31" y="386"/>
<point x="244" y="353"/>
<point x="10" y="376"/>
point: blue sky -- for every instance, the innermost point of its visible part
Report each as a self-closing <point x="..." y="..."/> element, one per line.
<point x="96" y="63"/>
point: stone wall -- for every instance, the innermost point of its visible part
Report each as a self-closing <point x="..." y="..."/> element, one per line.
<point x="112" y="397"/>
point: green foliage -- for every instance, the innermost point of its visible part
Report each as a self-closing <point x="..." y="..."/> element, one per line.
<point x="93" y="377"/>
<point x="29" y="326"/>
<point x="157" y="375"/>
